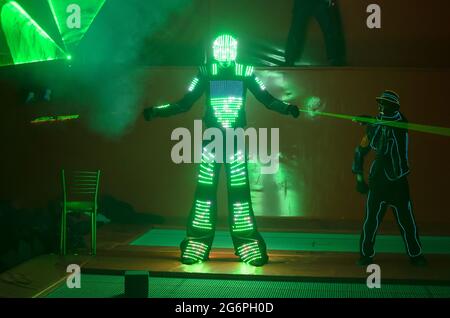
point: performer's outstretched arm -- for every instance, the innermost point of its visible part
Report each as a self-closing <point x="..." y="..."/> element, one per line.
<point x="196" y="90"/>
<point x="257" y="87"/>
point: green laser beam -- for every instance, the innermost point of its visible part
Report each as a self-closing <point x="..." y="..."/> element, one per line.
<point x="74" y="20"/>
<point x="436" y="130"/>
<point x="26" y="40"/>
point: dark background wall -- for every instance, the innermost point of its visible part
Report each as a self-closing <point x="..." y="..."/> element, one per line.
<point x="409" y="54"/>
<point x="315" y="181"/>
<point x="414" y="33"/>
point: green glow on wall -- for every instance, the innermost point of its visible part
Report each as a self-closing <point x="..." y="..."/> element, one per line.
<point x="53" y="119"/>
<point x="225" y="48"/>
<point x="65" y="14"/>
<point x="27" y="41"/>
<point x="280" y="194"/>
<point x="227" y="110"/>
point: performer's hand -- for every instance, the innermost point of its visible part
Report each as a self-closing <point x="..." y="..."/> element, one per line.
<point x="362" y="187"/>
<point x="149" y="114"/>
<point x="294" y="111"/>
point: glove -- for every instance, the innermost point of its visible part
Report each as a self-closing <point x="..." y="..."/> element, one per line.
<point x="362" y="187"/>
<point x="149" y="114"/>
<point x="294" y="111"/>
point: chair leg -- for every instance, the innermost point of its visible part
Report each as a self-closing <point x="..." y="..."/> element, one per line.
<point x="94" y="233"/>
<point x="63" y="233"/>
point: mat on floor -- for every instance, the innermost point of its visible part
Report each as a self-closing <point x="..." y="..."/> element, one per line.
<point x="309" y="242"/>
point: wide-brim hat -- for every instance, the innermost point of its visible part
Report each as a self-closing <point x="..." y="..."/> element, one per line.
<point x="390" y="96"/>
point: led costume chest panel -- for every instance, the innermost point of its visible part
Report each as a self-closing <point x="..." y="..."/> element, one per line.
<point x="226" y="99"/>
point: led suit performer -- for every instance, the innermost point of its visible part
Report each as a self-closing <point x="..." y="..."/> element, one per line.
<point x="225" y="83"/>
<point x="388" y="184"/>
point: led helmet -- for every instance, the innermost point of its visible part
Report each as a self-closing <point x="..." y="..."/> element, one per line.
<point x="225" y="49"/>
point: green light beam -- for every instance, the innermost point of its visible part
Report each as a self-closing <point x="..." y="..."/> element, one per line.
<point x="27" y="41"/>
<point x="436" y="130"/>
<point x="74" y="20"/>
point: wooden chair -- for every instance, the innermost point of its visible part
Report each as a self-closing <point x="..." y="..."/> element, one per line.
<point x="80" y="194"/>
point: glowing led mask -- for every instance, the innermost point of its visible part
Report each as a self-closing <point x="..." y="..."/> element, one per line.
<point x="225" y="49"/>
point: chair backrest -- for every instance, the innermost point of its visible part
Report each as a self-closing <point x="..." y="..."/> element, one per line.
<point x="80" y="185"/>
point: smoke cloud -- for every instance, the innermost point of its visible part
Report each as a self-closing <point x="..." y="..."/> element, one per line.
<point x="107" y="61"/>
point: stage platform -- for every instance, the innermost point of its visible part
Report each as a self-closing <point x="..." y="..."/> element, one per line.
<point x="298" y="273"/>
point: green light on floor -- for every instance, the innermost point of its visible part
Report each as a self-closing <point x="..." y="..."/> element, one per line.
<point x="26" y="40"/>
<point x="74" y="18"/>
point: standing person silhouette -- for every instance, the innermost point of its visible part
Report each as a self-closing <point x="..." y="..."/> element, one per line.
<point x="388" y="183"/>
<point x="225" y="83"/>
<point x="327" y="14"/>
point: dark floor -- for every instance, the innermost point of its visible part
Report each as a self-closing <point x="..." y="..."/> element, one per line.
<point x="294" y="272"/>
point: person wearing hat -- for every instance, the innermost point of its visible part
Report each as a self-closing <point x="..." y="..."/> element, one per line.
<point x="388" y="184"/>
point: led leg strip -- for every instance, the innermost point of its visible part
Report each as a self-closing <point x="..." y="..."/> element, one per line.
<point x="242" y="222"/>
<point x="206" y="175"/>
<point x="202" y="215"/>
<point x="196" y="251"/>
<point x="227" y="110"/>
<point x="237" y="170"/>
<point x="249" y="252"/>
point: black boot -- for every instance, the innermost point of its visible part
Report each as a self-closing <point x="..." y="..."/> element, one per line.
<point x="260" y="261"/>
<point x="419" y="261"/>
